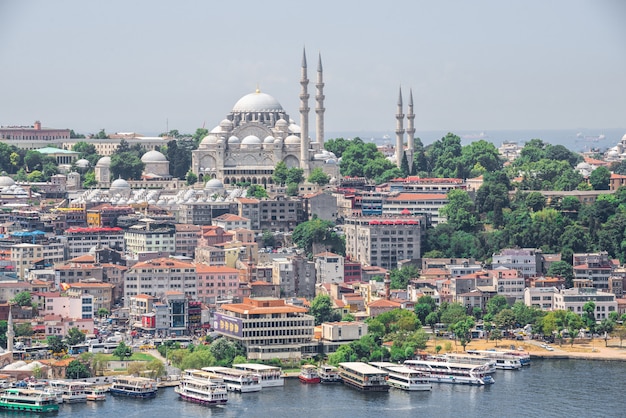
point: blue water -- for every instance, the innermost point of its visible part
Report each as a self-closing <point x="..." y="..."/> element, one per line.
<point x="548" y="388"/>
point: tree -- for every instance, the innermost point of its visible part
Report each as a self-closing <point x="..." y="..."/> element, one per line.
<point x="432" y="319"/>
<point x="463" y="331"/>
<point x="451" y="313"/>
<point x="348" y="318"/>
<point x="400" y="278"/>
<point x="318" y="177"/>
<point x="322" y="310"/>
<point x="280" y="173"/>
<point x="496" y="304"/>
<point x="103" y="312"/>
<point x="505" y="319"/>
<point x="224" y="351"/>
<point x="76" y="370"/>
<point x="191" y="178"/>
<point x="295" y="175"/>
<point x="89" y="179"/>
<point x="56" y="344"/>
<point x="460" y="211"/>
<point x="600" y="178"/>
<point x="256" y="191"/>
<point x="122" y="351"/>
<point x="605" y="328"/>
<point x="562" y="269"/>
<point x="23" y="299"/>
<point x="23" y="329"/>
<point x="126" y="165"/>
<point x="589" y="316"/>
<point x="74" y="336"/>
<point x="318" y="232"/>
<point x="292" y="189"/>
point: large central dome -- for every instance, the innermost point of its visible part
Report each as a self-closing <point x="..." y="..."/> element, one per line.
<point x="257" y="102"/>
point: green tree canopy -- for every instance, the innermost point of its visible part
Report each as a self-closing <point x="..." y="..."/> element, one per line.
<point x="322" y="310"/>
<point x="600" y="178"/>
<point x="74" y="336"/>
<point x="256" y="191"/>
<point x="318" y="231"/>
<point x="318" y="177"/>
<point x="76" y="370"/>
<point x="122" y="351"/>
<point x="23" y="299"/>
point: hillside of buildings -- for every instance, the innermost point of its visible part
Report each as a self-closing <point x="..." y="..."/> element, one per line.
<point x="463" y="243"/>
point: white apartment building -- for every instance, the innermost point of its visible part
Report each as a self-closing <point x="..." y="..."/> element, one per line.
<point x="527" y="261"/>
<point x="383" y="241"/>
<point x="81" y="241"/>
<point x="150" y="237"/>
<point x="160" y="275"/>
<point x="575" y="299"/>
<point x="540" y="297"/>
<point x="329" y="267"/>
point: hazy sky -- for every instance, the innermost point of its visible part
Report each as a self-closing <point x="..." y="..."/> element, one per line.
<point x="473" y="65"/>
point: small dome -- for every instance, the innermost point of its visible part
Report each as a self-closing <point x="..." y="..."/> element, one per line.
<point x="292" y="140"/>
<point x="233" y="140"/>
<point x="209" y="139"/>
<point x="104" y="162"/>
<point x="120" y="184"/>
<point x="282" y="124"/>
<point x="278" y="141"/>
<point x="214" y="184"/>
<point x="6" y="181"/>
<point x="624" y="138"/>
<point x="250" y="140"/>
<point x="82" y="163"/>
<point x="226" y="125"/>
<point x="257" y="102"/>
<point x="268" y="140"/>
<point x="320" y="156"/>
<point x="331" y="161"/>
<point x="153" y="157"/>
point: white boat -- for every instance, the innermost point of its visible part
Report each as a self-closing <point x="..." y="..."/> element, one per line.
<point x="71" y="392"/>
<point x="271" y="376"/>
<point x="520" y="353"/>
<point x="134" y="387"/>
<point x="364" y="377"/>
<point x="504" y="360"/>
<point x="237" y="380"/>
<point x="457" y="373"/>
<point x="202" y="387"/>
<point x="329" y="374"/>
<point x="96" y="393"/>
<point x="404" y="378"/>
<point x="467" y="359"/>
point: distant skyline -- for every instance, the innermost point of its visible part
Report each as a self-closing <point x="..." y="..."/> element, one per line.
<point x="147" y="66"/>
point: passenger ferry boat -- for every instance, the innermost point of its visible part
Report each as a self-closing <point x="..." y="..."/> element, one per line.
<point x="134" y="387"/>
<point x="71" y="392"/>
<point x="504" y="361"/>
<point x="404" y="378"/>
<point x="271" y="376"/>
<point x="29" y="400"/>
<point x="202" y="387"/>
<point x="523" y="356"/>
<point x="458" y="373"/>
<point x="237" y="380"/>
<point x="308" y="374"/>
<point x="329" y="374"/>
<point x="364" y="377"/>
<point x="467" y="359"/>
<point x="96" y="393"/>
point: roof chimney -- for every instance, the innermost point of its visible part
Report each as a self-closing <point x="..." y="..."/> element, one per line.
<point x="387" y="286"/>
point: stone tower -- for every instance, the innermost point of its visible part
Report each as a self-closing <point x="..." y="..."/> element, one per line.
<point x="410" y="131"/>
<point x="304" y="118"/>
<point x="319" y="104"/>
<point x="399" y="131"/>
<point x="10" y="332"/>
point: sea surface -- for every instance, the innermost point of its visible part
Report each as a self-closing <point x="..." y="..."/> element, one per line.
<point x="548" y="388"/>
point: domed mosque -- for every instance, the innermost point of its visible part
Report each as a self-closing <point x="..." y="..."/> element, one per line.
<point x="258" y="134"/>
<point x="155" y="165"/>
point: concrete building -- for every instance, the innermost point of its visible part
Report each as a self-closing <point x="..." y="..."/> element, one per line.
<point x="33" y="137"/>
<point x="150" y="237"/>
<point x="229" y="221"/>
<point x="268" y="328"/>
<point x="187" y="237"/>
<point x="527" y="261"/>
<point x="160" y="275"/>
<point x="329" y="267"/>
<point x="540" y="297"/>
<point x="216" y="283"/>
<point x="383" y="242"/>
<point x="102" y="294"/>
<point x="575" y="299"/>
<point x="25" y="256"/>
<point x="81" y="241"/>
<point x="594" y="267"/>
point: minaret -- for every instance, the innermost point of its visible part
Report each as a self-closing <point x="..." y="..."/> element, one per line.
<point x="399" y="131"/>
<point x="304" y="118"/>
<point x="10" y="332"/>
<point x="319" y="104"/>
<point x="410" y="131"/>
